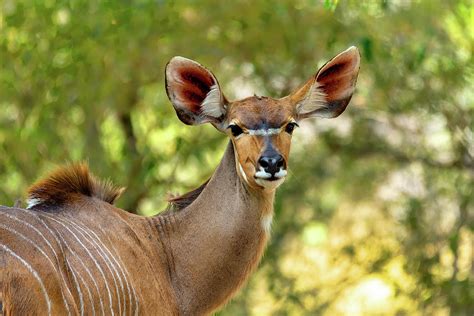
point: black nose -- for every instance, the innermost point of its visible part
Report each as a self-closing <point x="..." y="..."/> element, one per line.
<point x="272" y="164"/>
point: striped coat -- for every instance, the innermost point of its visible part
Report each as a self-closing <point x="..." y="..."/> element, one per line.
<point x="73" y="253"/>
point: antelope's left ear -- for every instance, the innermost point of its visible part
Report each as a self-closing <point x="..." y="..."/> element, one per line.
<point x="328" y="93"/>
<point x="194" y="92"/>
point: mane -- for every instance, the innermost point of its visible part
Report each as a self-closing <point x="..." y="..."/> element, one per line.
<point x="179" y="202"/>
<point x="63" y="184"/>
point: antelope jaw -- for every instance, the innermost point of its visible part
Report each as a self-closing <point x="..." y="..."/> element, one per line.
<point x="267" y="184"/>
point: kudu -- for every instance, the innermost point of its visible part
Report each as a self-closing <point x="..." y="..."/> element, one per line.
<point x="72" y="252"/>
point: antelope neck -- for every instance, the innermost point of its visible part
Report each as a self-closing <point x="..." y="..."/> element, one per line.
<point x="216" y="242"/>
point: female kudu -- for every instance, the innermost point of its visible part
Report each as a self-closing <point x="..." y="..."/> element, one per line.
<point x="72" y="252"/>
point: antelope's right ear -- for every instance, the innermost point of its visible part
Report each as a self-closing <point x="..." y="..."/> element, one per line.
<point x="194" y="92"/>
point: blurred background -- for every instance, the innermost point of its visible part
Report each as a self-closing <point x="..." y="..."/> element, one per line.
<point x="377" y="214"/>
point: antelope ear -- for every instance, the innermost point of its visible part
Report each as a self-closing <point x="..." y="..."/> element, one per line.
<point x="328" y="93"/>
<point x="194" y="92"/>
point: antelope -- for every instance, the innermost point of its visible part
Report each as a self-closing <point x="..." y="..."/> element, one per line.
<point x="71" y="251"/>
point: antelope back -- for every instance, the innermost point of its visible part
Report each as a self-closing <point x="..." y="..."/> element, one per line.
<point x="73" y="252"/>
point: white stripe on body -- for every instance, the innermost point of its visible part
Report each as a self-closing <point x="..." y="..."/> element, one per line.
<point x="55" y="236"/>
<point x="126" y="271"/>
<point x="104" y="257"/>
<point x="117" y="264"/>
<point x="90" y="255"/>
<point x="87" y="288"/>
<point x="78" y="287"/>
<point x="80" y="260"/>
<point x="49" y="245"/>
<point x="11" y="230"/>
<point x="32" y="271"/>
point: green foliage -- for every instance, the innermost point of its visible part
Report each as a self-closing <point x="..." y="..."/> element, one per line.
<point x="377" y="214"/>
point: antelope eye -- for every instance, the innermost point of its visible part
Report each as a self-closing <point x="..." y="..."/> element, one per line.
<point x="236" y="130"/>
<point x="290" y="127"/>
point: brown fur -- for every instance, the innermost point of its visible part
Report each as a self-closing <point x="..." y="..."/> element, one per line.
<point x="61" y="186"/>
<point x="179" y="202"/>
<point x="258" y="112"/>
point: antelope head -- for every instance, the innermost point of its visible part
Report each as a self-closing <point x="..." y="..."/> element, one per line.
<point x="260" y="128"/>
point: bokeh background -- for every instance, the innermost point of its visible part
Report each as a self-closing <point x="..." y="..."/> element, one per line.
<point x="376" y="216"/>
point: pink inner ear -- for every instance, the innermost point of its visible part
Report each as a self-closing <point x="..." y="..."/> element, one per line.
<point x="337" y="78"/>
<point x="192" y="86"/>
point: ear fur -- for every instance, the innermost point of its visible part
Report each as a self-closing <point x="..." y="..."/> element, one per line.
<point x="328" y="93"/>
<point x="194" y="92"/>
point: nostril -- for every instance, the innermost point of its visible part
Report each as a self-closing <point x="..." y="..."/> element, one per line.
<point x="280" y="163"/>
<point x="263" y="162"/>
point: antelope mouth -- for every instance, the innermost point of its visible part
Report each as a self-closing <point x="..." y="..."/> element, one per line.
<point x="267" y="176"/>
<point x="270" y="180"/>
